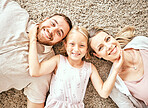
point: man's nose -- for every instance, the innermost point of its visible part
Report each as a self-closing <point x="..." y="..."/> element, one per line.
<point x="53" y="29"/>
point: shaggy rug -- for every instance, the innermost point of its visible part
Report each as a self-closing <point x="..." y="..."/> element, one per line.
<point x="109" y="14"/>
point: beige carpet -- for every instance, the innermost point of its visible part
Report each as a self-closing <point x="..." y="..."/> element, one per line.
<point x="109" y="14"/>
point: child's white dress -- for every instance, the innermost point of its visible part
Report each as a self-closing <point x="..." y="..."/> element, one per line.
<point x="68" y="86"/>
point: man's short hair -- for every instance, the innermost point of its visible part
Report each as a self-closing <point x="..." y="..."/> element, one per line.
<point x="65" y="17"/>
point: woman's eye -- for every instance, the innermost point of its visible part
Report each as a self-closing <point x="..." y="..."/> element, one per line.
<point x="107" y="39"/>
<point x="100" y="48"/>
<point x="81" y="45"/>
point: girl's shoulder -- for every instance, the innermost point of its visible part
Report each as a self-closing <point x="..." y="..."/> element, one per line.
<point x="56" y="58"/>
<point x="88" y="63"/>
<point x="61" y="59"/>
<point x="59" y="56"/>
<point x="91" y="66"/>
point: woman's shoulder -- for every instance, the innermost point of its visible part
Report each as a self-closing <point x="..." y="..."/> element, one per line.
<point x="140" y="38"/>
<point x="138" y="42"/>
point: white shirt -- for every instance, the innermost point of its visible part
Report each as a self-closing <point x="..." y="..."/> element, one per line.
<point x="14" y="49"/>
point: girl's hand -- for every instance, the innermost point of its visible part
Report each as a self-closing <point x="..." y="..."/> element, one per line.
<point x="33" y="33"/>
<point x="118" y="63"/>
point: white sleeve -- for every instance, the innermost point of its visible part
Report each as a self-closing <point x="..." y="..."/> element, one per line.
<point x="13" y="18"/>
<point x="138" y="42"/>
<point x="2" y="4"/>
<point x="120" y="99"/>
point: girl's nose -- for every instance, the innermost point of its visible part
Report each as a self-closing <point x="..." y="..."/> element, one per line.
<point x="76" y="48"/>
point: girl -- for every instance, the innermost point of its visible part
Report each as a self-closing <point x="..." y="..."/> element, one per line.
<point x="70" y="73"/>
<point x="132" y="80"/>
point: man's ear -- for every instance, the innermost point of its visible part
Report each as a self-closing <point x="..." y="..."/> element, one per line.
<point x="96" y="55"/>
<point x="65" y="44"/>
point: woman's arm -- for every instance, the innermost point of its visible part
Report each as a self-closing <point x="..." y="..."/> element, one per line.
<point x="104" y="88"/>
<point x="36" y="68"/>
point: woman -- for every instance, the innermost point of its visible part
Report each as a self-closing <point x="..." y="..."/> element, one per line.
<point x="132" y="80"/>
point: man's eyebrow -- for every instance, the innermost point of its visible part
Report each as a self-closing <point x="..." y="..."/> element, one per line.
<point x="55" y="21"/>
<point x="104" y="38"/>
<point x="60" y="29"/>
<point x="62" y="32"/>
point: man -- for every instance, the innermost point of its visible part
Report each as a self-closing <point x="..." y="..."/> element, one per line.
<point x="14" y="49"/>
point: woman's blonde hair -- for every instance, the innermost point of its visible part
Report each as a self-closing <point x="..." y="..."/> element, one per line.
<point x="84" y="32"/>
<point x="125" y="35"/>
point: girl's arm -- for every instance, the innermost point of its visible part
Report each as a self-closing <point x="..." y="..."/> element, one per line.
<point x="105" y="88"/>
<point x="36" y="68"/>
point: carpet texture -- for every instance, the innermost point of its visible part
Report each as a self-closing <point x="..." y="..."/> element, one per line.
<point x="109" y="14"/>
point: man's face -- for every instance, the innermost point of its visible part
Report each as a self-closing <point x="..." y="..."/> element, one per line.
<point x="52" y="30"/>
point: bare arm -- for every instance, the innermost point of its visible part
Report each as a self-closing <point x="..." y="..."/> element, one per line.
<point x="105" y="88"/>
<point x="36" y="68"/>
<point x="34" y="105"/>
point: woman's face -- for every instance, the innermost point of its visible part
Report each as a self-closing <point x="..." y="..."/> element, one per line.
<point x="105" y="46"/>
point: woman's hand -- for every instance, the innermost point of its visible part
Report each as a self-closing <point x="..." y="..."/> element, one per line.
<point x="118" y="63"/>
<point x="33" y="33"/>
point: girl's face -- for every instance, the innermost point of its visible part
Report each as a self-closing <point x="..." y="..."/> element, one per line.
<point x="105" y="46"/>
<point x="76" y="46"/>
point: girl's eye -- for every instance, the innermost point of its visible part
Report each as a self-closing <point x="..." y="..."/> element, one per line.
<point x="107" y="39"/>
<point x="72" y="44"/>
<point x="82" y="45"/>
